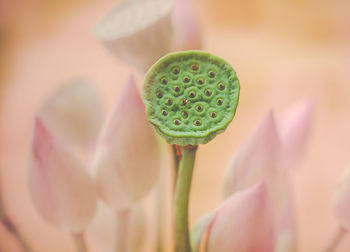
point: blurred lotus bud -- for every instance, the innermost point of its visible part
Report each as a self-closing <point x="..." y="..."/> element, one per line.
<point x="342" y="200"/>
<point x="242" y="223"/>
<point x="61" y="189"/>
<point x="75" y="112"/>
<point x="137" y="32"/>
<point x="286" y="240"/>
<point x="294" y="131"/>
<point x="199" y="229"/>
<point x="127" y="157"/>
<point x="103" y="227"/>
<point x="186" y="29"/>
<point x="258" y="159"/>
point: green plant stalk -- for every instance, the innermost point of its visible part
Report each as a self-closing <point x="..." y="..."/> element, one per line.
<point x="182" y="195"/>
<point x="176" y="163"/>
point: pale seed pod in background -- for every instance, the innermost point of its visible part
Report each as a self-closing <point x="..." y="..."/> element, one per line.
<point x="75" y="112"/>
<point x="127" y="157"/>
<point x="137" y="32"/>
<point x="61" y="188"/>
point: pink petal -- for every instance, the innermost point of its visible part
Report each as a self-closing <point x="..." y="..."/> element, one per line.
<point x="198" y="231"/>
<point x="61" y="189"/>
<point x="295" y="130"/>
<point x="137" y="32"/>
<point x="256" y="159"/>
<point x="286" y="239"/>
<point x="186" y="29"/>
<point x="127" y="158"/>
<point x="75" y="112"/>
<point x="342" y="200"/>
<point x="243" y="223"/>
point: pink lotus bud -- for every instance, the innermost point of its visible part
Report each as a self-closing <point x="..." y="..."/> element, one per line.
<point x="137" y="32"/>
<point x="256" y="159"/>
<point x="342" y="200"/>
<point x="127" y="157"/>
<point x="75" y="112"/>
<point x="198" y="231"/>
<point x="294" y="130"/>
<point x="242" y="223"/>
<point x="186" y="29"/>
<point x="259" y="159"/>
<point x="61" y="189"/>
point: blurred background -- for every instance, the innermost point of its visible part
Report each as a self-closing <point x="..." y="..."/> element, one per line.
<point x="283" y="51"/>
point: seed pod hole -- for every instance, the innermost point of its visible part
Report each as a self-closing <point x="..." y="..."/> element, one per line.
<point x="197" y="123"/>
<point x="208" y="92"/>
<point x="213" y="114"/>
<point x="164" y="113"/>
<point x="219" y="101"/>
<point x="177" y="89"/>
<point x="159" y="95"/>
<point x="177" y="122"/>
<point x="169" y="102"/>
<point x="199" y="108"/>
<point x="200" y="81"/>
<point x="176" y="70"/>
<point x="211" y="74"/>
<point x="192" y="94"/>
<point x="185" y="114"/>
<point x="221" y="86"/>
<point x="184" y="102"/>
<point x="164" y="81"/>
<point x="186" y="79"/>
<point x="194" y="67"/>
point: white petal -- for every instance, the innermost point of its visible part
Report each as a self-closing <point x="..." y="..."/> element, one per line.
<point x="61" y="189"/>
<point x="127" y="157"/>
<point x="75" y="112"/>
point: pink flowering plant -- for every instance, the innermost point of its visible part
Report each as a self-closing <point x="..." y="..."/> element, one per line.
<point x="85" y="176"/>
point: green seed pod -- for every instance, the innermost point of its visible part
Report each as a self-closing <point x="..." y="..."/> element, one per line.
<point x="190" y="96"/>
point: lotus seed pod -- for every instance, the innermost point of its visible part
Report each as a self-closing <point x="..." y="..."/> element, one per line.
<point x="190" y="96"/>
<point x="137" y="32"/>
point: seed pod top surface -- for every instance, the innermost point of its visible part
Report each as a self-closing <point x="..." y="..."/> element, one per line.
<point x="190" y="96"/>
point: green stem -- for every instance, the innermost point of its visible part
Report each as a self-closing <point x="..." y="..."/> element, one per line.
<point x="176" y="163"/>
<point x="160" y="211"/>
<point x="79" y="241"/>
<point x="182" y="194"/>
